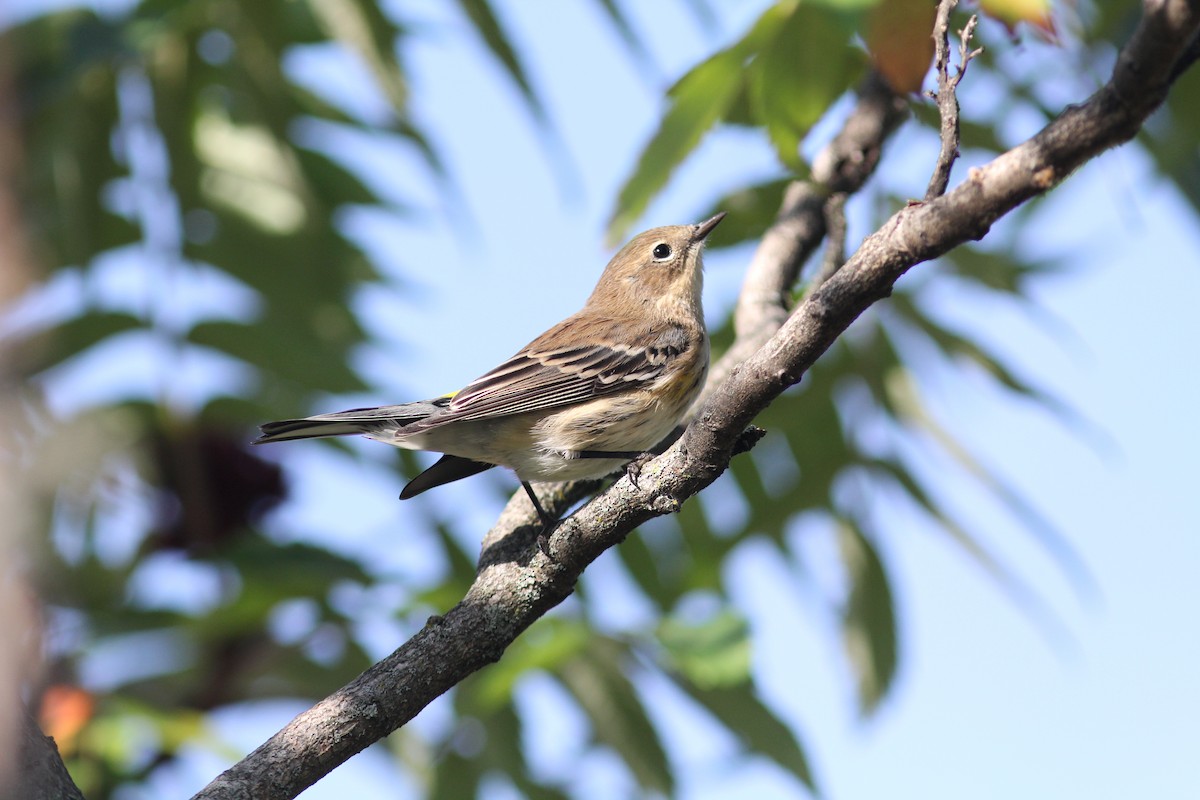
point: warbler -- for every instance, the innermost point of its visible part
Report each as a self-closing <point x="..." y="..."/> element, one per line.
<point x="591" y="394"/>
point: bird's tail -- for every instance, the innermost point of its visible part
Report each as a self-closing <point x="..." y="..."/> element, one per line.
<point x="348" y="423"/>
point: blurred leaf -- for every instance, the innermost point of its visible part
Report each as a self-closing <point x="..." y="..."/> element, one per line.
<point x="899" y="40"/>
<point x="597" y="680"/>
<point x="64" y="711"/>
<point x="1011" y="12"/>
<point x="64" y="97"/>
<point x="74" y="336"/>
<point x="749" y="212"/>
<point x="497" y="40"/>
<point x="868" y="617"/>
<point x="285" y="351"/>
<point x="798" y="74"/>
<point x="273" y="572"/>
<point x="645" y="570"/>
<point x="629" y="37"/>
<point x="705" y="550"/>
<point x="957" y="345"/>
<point x="758" y="729"/>
<point x="505" y="738"/>
<point x="783" y="74"/>
<point x="706" y="94"/>
<point x="696" y="103"/>
<point x="1018" y="591"/>
<point x="711" y="654"/>
<point x="332" y="180"/>
<point x="363" y="28"/>
<point x="1172" y="137"/>
<point x="547" y="644"/>
<point x="1001" y="270"/>
<point x="455" y="778"/>
<point x="909" y="407"/>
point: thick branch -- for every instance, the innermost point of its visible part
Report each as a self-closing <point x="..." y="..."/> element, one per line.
<point x="40" y="773"/>
<point x="516" y="584"/>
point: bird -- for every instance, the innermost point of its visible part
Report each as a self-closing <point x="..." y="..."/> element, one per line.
<point x="593" y="393"/>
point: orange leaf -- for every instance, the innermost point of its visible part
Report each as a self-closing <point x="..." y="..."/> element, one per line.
<point x="64" y="713"/>
<point x="899" y="38"/>
<point x="1011" y="12"/>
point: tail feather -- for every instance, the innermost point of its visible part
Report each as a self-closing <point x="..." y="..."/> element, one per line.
<point x="349" y="423"/>
<point x="447" y="469"/>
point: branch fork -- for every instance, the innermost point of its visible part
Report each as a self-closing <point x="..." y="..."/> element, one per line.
<point x="947" y="91"/>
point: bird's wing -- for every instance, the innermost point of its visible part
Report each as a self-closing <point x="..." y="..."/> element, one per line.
<point x="540" y="377"/>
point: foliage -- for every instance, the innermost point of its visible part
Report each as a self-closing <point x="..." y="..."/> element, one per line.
<point x="172" y="137"/>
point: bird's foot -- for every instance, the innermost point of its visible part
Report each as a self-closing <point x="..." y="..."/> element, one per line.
<point x="549" y="523"/>
<point x="633" y="470"/>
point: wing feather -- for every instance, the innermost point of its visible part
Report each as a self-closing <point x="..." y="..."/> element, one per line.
<point x="541" y="377"/>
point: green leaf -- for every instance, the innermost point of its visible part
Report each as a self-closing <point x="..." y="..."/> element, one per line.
<point x="75" y="336"/>
<point x="285" y="350"/>
<point x="697" y="102"/>
<point x="488" y="26"/>
<point x="549" y="643"/>
<point x="1018" y="591"/>
<point x="957" y="345"/>
<point x="1001" y="271"/>
<point x="799" y="73"/>
<point x="633" y="43"/>
<point x="749" y="211"/>
<point x="756" y="726"/>
<point x="868" y="617"/>
<point x="645" y="570"/>
<point x="711" y="654"/>
<point x="909" y="408"/>
<point x="274" y="572"/>
<point x="332" y="182"/>
<point x="455" y="777"/>
<point x="68" y="105"/>
<point x="597" y="681"/>
<point x="361" y="26"/>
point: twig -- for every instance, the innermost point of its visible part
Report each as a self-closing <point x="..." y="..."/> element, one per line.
<point x="842" y="166"/>
<point x="835" y="243"/>
<point x="947" y="92"/>
<point x="516" y="584"/>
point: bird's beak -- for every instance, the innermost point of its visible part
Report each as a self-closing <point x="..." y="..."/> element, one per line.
<point x="705" y="228"/>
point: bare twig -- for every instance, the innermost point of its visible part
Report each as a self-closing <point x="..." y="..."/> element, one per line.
<point x="516" y="584"/>
<point x="947" y="92"/>
<point x="835" y="243"/>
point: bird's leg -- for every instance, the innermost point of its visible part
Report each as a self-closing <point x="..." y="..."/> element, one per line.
<point x="549" y="523"/>
<point x="622" y="454"/>
<point x="635" y="460"/>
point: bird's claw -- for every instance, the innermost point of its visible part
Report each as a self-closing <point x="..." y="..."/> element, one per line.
<point x="633" y="470"/>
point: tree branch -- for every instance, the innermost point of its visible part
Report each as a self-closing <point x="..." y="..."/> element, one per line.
<point x="40" y="773"/>
<point x="516" y="584"/>
<point x="843" y="166"/>
<point x="947" y="92"/>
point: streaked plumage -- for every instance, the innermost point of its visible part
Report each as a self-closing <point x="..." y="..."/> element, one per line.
<point x="616" y="377"/>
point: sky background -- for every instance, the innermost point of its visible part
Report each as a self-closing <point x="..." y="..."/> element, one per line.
<point x="988" y="703"/>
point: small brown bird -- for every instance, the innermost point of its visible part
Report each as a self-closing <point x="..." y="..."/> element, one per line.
<point x="594" y="392"/>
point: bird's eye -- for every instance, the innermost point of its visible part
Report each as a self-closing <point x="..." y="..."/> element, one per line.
<point x="662" y="250"/>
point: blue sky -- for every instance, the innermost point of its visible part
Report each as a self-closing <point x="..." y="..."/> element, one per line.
<point x="986" y="705"/>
